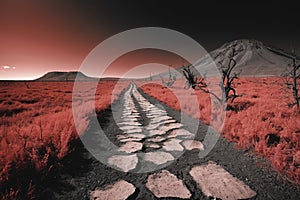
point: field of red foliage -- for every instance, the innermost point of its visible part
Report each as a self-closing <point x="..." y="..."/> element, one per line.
<point x="37" y="131"/>
<point x="261" y="120"/>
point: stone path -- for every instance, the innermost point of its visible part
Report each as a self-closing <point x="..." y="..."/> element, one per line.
<point x="158" y="140"/>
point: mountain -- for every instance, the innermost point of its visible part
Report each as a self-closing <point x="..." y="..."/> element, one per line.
<point x="253" y="58"/>
<point x="64" y="76"/>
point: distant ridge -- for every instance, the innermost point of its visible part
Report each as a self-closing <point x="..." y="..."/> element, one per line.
<point x="254" y="58"/>
<point x="58" y="76"/>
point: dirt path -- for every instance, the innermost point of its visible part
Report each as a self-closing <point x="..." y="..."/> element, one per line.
<point x="158" y="158"/>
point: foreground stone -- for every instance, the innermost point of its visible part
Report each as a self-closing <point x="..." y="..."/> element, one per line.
<point x="173" y="145"/>
<point x="136" y="130"/>
<point x="130" y="123"/>
<point x="130" y="147"/>
<point x="121" y="190"/>
<point x="181" y="133"/>
<point x="168" y="127"/>
<point x="156" y="139"/>
<point x="216" y="182"/>
<point x="165" y="184"/>
<point x="124" y="162"/>
<point x="152" y="145"/>
<point x="193" y="144"/>
<point x="158" y="157"/>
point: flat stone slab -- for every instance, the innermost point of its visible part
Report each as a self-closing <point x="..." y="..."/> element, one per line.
<point x="132" y="136"/>
<point x="129" y="120"/>
<point x="136" y="135"/>
<point x="160" y="119"/>
<point x="165" y="184"/>
<point x="156" y="139"/>
<point x="158" y="157"/>
<point x="130" y="123"/>
<point x="130" y="147"/>
<point x="129" y="117"/>
<point x="120" y="190"/>
<point x="152" y="145"/>
<point x="168" y="127"/>
<point x="136" y="130"/>
<point x="152" y="126"/>
<point x="192" y="144"/>
<point x="173" y="145"/>
<point x="130" y="139"/>
<point x="124" y="162"/>
<point x="181" y="133"/>
<point x="216" y="182"/>
<point x="125" y="128"/>
<point x="156" y="132"/>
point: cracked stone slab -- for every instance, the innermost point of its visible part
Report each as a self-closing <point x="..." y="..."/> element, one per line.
<point x="165" y="184"/>
<point x="214" y="181"/>
<point x="173" y="145"/>
<point x="158" y="157"/>
<point x="130" y="147"/>
<point x="123" y="162"/>
<point x="192" y="144"/>
<point x="120" y="190"/>
<point x="181" y="133"/>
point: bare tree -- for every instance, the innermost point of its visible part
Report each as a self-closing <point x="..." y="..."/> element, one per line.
<point x="171" y="80"/>
<point x="226" y="83"/>
<point x="291" y="80"/>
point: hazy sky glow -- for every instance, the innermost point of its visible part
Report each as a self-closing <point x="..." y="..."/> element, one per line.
<point x="55" y="35"/>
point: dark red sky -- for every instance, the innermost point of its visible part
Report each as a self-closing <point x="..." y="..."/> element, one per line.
<point x="40" y="36"/>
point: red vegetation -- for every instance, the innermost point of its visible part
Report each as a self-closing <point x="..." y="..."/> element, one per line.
<point x="37" y="131"/>
<point x="260" y="120"/>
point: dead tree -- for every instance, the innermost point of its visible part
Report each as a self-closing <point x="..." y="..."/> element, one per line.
<point x="293" y="76"/>
<point x="171" y="80"/>
<point x="228" y="76"/>
<point x="193" y="81"/>
<point x="226" y="83"/>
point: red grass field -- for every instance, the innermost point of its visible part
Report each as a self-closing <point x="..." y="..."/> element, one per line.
<point x="37" y="127"/>
<point x="37" y="130"/>
<point x="263" y="122"/>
